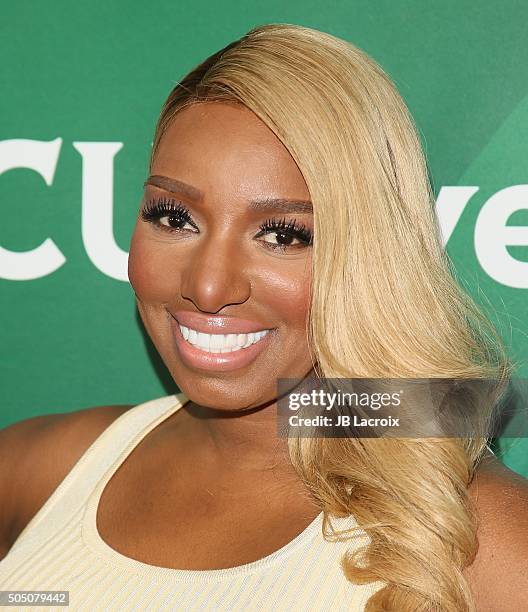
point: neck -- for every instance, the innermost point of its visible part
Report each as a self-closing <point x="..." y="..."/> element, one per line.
<point x="245" y="440"/>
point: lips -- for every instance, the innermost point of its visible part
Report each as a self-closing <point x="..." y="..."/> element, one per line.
<point x="194" y="357"/>
<point x="217" y="324"/>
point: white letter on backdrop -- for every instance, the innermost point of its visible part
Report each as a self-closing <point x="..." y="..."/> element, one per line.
<point x="97" y="208"/>
<point x="492" y="236"/>
<point x="40" y="156"/>
<point x="450" y="205"/>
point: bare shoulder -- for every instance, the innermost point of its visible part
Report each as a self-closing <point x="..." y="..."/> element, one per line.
<point x="499" y="573"/>
<point x="36" y="454"/>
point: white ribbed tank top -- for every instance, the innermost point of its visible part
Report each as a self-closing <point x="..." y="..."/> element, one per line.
<point x="61" y="549"/>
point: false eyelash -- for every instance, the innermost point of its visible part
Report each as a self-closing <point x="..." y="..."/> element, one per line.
<point x="155" y="209"/>
<point x="297" y="230"/>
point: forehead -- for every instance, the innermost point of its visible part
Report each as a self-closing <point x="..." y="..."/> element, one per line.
<point x="219" y="143"/>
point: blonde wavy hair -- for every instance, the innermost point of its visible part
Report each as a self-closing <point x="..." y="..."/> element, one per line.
<point x="385" y="301"/>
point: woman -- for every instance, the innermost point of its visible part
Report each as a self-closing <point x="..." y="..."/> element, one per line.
<point x="287" y="229"/>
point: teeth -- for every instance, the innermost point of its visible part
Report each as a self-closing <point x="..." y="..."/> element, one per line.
<point x="203" y="341"/>
<point x="221" y="343"/>
<point x="250" y="339"/>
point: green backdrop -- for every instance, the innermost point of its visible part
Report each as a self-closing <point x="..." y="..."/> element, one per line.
<point x="82" y="85"/>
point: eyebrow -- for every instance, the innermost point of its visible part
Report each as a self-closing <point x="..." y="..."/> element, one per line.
<point x="282" y="205"/>
<point x="174" y="186"/>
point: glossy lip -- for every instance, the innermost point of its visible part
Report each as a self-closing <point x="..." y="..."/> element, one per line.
<point x="218" y="362"/>
<point x="216" y="325"/>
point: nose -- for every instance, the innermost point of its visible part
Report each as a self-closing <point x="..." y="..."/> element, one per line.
<point x="215" y="274"/>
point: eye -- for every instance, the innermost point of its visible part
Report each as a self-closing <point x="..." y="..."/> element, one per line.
<point x="167" y="214"/>
<point x="285" y="235"/>
<point x="279" y="235"/>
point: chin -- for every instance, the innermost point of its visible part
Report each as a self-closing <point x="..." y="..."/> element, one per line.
<point x="225" y="395"/>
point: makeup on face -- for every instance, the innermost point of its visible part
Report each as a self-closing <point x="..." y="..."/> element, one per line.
<point x="220" y="259"/>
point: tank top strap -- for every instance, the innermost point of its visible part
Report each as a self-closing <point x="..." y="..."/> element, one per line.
<point x="123" y="434"/>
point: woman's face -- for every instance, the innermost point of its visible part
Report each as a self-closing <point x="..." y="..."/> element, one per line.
<point x="221" y="248"/>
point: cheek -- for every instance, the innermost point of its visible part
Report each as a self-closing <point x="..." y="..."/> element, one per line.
<point x="289" y="295"/>
<point x="148" y="272"/>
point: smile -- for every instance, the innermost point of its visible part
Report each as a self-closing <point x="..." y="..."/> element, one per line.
<point x="220" y="343"/>
<point x="238" y="347"/>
